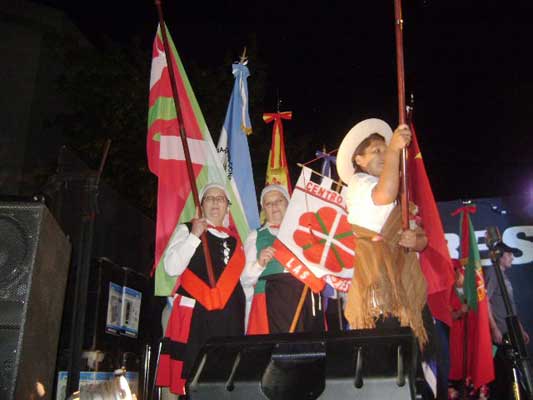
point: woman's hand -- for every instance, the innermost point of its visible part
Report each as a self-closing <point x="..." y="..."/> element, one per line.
<point x="199" y="226"/>
<point x="266" y="255"/>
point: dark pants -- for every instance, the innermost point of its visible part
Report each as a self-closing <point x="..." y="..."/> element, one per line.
<point x="501" y="387"/>
<point x="283" y="293"/>
<point x="443" y="358"/>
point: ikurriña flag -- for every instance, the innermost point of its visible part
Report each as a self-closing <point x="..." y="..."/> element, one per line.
<point x="233" y="146"/>
<point x="435" y="259"/>
<point x="166" y="158"/>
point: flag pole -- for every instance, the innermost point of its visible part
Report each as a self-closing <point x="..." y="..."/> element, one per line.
<point x="298" y="310"/>
<point x="400" y="72"/>
<point x="243" y="57"/>
<point x="183" y="136"/>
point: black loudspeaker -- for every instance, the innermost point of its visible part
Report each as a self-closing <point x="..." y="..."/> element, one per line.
<point x="34" y="259"/>
<point x="364" y="364"/>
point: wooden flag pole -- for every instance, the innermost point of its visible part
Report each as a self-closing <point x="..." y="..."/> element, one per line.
<point x="183" y="136"/>
<point x="243" y="57"/>
<point x="298" y="309"/>
<point x="400" y="71"/>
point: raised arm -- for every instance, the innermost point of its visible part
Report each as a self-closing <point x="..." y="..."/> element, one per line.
<point x="386" y="190"/>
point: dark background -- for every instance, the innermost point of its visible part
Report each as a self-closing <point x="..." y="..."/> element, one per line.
<point x="468" y="65"/>
<point x="517" y="231"/>
<point x="77" y="73"/>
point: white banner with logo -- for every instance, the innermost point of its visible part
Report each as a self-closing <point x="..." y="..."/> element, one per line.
<point x="315" y="236"/>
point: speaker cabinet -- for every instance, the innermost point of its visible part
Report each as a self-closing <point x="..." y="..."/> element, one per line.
<point x="365" y="364"/>
<point x="34" y="259"/>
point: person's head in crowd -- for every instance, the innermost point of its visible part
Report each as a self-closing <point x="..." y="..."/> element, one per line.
<point x="215" y="203"/>
<point x="274" y="201"/>
<point x="507" y="257"/>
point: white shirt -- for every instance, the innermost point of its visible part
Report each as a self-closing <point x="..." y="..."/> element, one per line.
<point x="252" y="269"/>
<point x="361" y="208"/>
<point x="181" y="247"/>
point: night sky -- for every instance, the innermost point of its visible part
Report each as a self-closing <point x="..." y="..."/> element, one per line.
<point x="469" y="68"/>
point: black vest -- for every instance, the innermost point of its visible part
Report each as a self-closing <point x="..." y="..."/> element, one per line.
<point x="217" y="247"/>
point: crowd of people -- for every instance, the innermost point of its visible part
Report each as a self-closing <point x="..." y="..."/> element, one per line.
<point x="255" y="294"/>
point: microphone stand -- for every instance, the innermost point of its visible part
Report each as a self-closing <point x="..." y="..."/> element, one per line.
<point x="515" y="349"/>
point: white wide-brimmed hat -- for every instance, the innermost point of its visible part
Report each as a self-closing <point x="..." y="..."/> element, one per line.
<point x="353" y="138"/>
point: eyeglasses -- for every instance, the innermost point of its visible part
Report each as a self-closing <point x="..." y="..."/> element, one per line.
<point x="276" y="203"/>
<point x="213" y="199"/>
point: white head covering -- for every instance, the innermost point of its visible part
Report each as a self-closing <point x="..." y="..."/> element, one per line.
<point x="353" y="138"/>
<point x="212" y="185"/>
<point x="270" y="188"/>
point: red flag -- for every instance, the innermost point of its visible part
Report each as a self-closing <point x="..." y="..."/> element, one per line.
<point x="435" y="259"/>
<point x="475" y="329"/>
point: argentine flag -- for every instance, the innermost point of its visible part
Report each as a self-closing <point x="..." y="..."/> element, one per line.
<point x="233" y="146"/>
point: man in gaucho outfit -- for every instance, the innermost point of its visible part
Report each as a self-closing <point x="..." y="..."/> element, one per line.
<point x="388" y="281"/>
<point x="197" y="314"/>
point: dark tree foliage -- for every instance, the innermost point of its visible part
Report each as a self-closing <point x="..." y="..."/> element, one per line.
<point x="107" y="90"/>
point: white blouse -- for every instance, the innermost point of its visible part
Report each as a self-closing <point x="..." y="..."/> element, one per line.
<point x="361" y="208"/>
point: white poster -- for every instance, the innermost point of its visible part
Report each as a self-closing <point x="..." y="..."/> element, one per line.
<point x="114" y="309"/>
<point x="131" y="311"/>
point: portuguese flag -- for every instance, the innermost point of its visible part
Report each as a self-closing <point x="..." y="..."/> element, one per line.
<point x="166" y="156"/>
<point x="469" y="256"/>
<point x="474" y="326"/>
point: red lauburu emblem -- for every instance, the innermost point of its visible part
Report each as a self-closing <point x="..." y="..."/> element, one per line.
<point x="326" y="238"/>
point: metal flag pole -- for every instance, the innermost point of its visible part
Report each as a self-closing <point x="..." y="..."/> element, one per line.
<point x="400" y="72"/>
<point x="183" y="136"/>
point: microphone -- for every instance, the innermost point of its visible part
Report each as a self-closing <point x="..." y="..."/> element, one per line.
<point x="497" y="247"/>
<point x="493" y="237"/>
